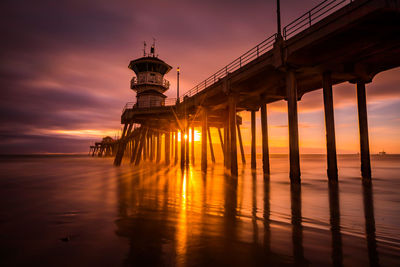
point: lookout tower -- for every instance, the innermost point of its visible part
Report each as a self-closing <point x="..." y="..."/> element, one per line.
<point x="149" y="82"/>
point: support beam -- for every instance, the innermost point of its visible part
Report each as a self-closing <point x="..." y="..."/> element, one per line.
<point x="192" y="145"/>
<point x="122" y="146"/>
<point x="241" y="144"/>
<point x="176" y="147"/>
<point x="182" y="148"/>
<point x="142" y="142"/>
<point x="153" y="146"/>
<point x="329" y="127"/>
<point x="167" y="143"/>
<point x="221" y="141"/>
<point x="145" y="147"/>
<point x="253" y="140"/>
<point x="204" y="140"/>
<point x="136" y="145"/>
<point x="158" y="136"/>
<point x="363" y="127"/>
<point x="227" y="142"/>
<point x="187" y="144"/>
<point x="211" y="145"/>
<point x="264" y="132"/>
<point x="232" y="130"/>
<point x="291" y="93"/>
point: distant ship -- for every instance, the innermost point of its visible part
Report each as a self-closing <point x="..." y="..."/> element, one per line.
<point x="382" y="153"/>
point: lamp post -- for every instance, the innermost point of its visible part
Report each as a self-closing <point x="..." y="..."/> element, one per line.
<point x="177" y="85"/>
<point x="278" y="12"/>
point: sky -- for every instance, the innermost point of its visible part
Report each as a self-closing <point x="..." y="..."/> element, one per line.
<point x="64" y="77"/>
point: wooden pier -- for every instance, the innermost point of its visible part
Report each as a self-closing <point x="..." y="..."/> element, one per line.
<point x="335" y="42"/>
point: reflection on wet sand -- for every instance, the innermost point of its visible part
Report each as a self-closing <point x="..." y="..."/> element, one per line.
<point x="266" y="212"/>
<point x="188" y="218"/>
<point x="370" y="223"/>
<point x="334" y="212"/>
<point x="154" y="216"/>
<point x="297" y="228"/>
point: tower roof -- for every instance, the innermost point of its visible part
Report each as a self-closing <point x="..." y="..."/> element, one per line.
<point x="149" y="64"/>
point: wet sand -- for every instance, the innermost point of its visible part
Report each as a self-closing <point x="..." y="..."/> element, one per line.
<point x="80" y="211"/>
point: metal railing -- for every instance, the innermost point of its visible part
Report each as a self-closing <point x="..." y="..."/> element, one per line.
<point x="144" y="80"/>
<point x="303" y="22"/>
<point x="250" y="55"/>
<point x="313" y="15"/>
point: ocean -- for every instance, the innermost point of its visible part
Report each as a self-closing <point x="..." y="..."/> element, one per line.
<point x="66" y="210"/>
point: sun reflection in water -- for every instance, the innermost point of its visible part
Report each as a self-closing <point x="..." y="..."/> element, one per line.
<point x="181" y="233"/>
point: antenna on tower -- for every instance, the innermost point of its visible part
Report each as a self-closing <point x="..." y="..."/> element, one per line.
<point x="153" y="47"/>
<point x="144" y="48"/>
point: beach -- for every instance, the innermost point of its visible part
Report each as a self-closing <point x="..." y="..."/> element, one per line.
<point x="70" y="210"/>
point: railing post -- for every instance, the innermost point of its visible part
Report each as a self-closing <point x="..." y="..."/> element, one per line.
<point x="309" y="17"/>
<point x="257" y="51"/>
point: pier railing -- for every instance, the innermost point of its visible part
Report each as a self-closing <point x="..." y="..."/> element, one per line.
<point x="250" y="55"/>
<point x="305" y="21"/>
<point x="312" y="16"/>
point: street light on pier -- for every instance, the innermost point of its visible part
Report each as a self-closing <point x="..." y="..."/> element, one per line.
<point x="177" y="85"/>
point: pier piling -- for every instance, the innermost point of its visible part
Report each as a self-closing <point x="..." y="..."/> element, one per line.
<point x="167" y="143"/>
<point x="363" y="128"/>
<point x="253" y="140"/>
<point x="241" y="144"/>
<point x="192" y="145"/>
<point x="264" y="132"/>
<point x="329" y="127"/>
<point x="232" y="130"/>
<point x="211" y="145"/>
<point x="204" y="140"/>
<point x="294" y="158"/>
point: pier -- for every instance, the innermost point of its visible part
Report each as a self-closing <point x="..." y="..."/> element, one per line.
<point x="335" y="42"/>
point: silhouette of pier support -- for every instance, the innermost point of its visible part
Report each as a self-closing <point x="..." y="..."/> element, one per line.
<point x="363" y="127"/>
<point x="176" y="147"/>
<point x="329" y="127"/>
<point x="182" y="148"/>
<point x="167" y="144"/>
<point x="211" y="145"/>
<point x="153" y="146"/>
<point x="158" y="136"/>
<point x="192" y="145"/>
<point x="142" y="142"/>
<point x="232" y="129"/>
<point x="186" y="140"/>
<point x="291" y="93"/>
<point x="253" y="139"/>
<point x="122" y="145"/>
<point x="264" y="130"/>
<point x="227" y="162"/>
<point x="221" y="141"/>
<point x="204" y="127"/>
<point x="241" y="144"/>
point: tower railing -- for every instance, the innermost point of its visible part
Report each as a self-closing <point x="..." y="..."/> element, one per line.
<point x="150" y="104"/>
<point x="163" y="82"/>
